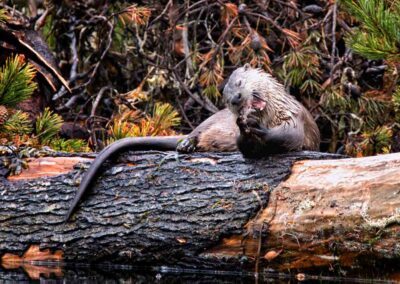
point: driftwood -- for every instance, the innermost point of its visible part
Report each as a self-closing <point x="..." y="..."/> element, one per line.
<point x="210" y="210"/>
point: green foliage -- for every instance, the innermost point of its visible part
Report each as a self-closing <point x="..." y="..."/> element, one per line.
<point x="161" y="121"/>
<point x="16" y="81"/>
<point x="165" y="116"/>
<point x="48" y="124"/>
<point x="3" y="16"/>
<point x="301" y="69"/>
<point x="378" y="37"/>
<point x="396" y="104"/>
<point x="335" y="102"/>
<point x="48" y="34"/>
<point x="18" y="124"/>
<point x="120" y="129"/>
<point x="376" y="141"/>
<point x="211" y="92"/>
<point x="70" y="145"/>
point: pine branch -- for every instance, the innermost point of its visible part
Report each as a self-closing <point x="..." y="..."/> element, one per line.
<point x="16" y="81"/>
<point x="378" y="36"/>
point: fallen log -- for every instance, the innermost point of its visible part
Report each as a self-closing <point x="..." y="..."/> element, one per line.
<point x="209" y="210"/>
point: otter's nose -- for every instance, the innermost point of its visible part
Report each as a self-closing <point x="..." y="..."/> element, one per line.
<point x="235" y="101"/>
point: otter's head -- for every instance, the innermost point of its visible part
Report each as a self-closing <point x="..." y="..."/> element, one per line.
<point x="240" y="93"/>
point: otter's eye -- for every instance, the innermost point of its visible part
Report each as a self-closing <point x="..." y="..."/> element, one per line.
<point x="239" y="83"/>
<point x="239" y="96"/>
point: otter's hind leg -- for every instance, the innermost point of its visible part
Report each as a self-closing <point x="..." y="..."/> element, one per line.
<point x="217" y="133"/>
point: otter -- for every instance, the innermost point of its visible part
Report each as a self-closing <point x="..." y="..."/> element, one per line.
<point x="261" y="119"/>
<point x="270" y="120"/>
<point x="217" y="133"/>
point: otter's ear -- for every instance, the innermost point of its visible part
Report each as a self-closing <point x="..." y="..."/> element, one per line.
<point x="246" y="66"/>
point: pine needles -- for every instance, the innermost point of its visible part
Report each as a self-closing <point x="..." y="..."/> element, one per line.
<point x="48" y="124"/>
<point x="18" y="124"/>
<point x="379" y="35"/>
<point x="161" y="122"/>
<point x="16" y="85"/>
<point x="16" y="81"/>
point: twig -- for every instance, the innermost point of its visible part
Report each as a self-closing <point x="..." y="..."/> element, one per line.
<point x="210" y="108"/>
<point x="184" y="115"/>
<point x="189" y="64"/>
<point x="98" y="98"/>
<point x="333" y="35"/>
<point x="290" y="4"/>
<point x="75" y="59"/>
<point x="111" y="26"/>
<point x="159" y="16"/>
<point x="268" y="19"/>
<point x="222" y="39"/>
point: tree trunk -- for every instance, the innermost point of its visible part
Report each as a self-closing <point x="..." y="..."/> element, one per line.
<point x="210" y="210"/>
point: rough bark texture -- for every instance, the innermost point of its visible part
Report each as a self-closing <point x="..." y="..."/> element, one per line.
<point x="155" y="209"/>
<point x="332" y="213"/>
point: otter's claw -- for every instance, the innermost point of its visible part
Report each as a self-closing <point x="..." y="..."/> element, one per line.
<point x="256" y="128"/>
<point x="187" y="145"/>
<point x="242" y="124"/>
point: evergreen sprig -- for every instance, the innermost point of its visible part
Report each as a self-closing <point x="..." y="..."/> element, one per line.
<point x="165" y="116"/>
<point x="48" y="124"/>
<point x="378" y="36"/>
<point x="18" y="124"/>
<point x="16" y="81"/>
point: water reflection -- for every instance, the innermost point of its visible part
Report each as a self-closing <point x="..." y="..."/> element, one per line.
<point x="55" y="272"/>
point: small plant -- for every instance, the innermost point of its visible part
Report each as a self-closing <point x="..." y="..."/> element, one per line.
<point x="163" y="118"/>
<point x="18" y="124"/>
<point x="70" y="145"/>
<point x="48" y="124"/>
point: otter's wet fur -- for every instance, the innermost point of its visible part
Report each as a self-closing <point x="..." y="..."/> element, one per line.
<point x="269" y="119"/>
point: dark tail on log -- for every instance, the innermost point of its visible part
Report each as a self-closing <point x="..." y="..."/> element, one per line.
<point x="133" y="144"/>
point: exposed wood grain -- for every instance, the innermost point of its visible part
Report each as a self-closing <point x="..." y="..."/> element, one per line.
<point x="47" y="167"/>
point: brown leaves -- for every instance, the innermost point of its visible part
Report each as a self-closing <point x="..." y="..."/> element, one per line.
<point x="229" y="12"/>
<point x="253" y="50"/>
<point x="138" y="15"/>
<point x="212" y="72"/>
<point x="33" y="253"/>
<point x="293" y="37"/>
<point x="14" y="261"/>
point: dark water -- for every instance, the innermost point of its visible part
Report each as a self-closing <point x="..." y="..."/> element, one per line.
<point x="40" y="272"/>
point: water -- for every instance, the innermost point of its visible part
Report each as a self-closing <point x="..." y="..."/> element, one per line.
<point x="53" y="272"/>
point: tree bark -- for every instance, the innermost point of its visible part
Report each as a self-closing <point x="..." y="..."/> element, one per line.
<point x="210" y="210"/>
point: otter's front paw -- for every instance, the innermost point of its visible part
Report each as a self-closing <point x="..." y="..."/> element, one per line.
<point x="242" y="124"/>
<point x="187" y="145"/>
<point x="256" y="128"/>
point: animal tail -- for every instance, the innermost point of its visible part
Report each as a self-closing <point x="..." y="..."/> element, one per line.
<point x="163" y="143"/>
